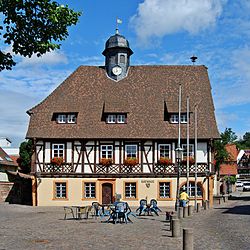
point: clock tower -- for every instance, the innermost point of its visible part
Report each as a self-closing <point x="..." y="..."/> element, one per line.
<point x="117" y="55"/>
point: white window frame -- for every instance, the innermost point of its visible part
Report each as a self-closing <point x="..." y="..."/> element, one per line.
<point x="61" y="118"/>
<point x="191" y="150"/>
<point x="126" y="151"/>
<point x="120" y="118"/>
<point x="107" y="151"/>
<point x="166" y="188"/>
<point x="60" y="189"/>
<point x="130" y="189"/>
<point x="111" y="119"/>
<point x="191" y="189"/>
<point x="89" y="190"/>
<point x="58" y="150"/>
<point x="184" y="118"/>
<point x="71" y="118"/>
<point x="174" y="118"/>
<point x="169" y="150"/>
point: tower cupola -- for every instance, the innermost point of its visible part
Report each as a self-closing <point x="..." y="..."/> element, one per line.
<point x="117" y="56"/>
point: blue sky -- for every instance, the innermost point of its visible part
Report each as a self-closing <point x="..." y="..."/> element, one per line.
<point x="163" y="32"/>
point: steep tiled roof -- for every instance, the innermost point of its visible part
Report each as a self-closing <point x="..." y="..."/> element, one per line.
<point x="144" y="95"/>
<point x="5" y="159"/>
<point x="233" y="151"/>
<point x="228" y="169"/>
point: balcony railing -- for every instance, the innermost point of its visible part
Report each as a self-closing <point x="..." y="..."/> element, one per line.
<point x="64" y="168"/>
<point x="122" y="169"/>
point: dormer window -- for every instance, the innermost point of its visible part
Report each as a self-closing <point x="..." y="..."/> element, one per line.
<point x="174" y="118"/>
<point x="65" y="118"/>
<point x="116" y="118"/>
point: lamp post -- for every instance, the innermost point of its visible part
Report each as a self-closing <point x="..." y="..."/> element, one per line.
<point x="178" y="153"/>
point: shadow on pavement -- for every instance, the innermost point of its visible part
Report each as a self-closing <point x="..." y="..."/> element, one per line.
<point x="243" y="198"/>
<point x="245" y="209"/>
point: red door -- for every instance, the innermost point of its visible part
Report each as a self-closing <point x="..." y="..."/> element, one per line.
<point x="107" y="193"/>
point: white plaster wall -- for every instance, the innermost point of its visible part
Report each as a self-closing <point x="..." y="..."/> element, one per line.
<point x="202" y="152"/>
<point x="69" y="152"/>
<point x="47" y="152"/>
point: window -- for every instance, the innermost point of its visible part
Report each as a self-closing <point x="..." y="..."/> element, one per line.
<point x="191" y="150"/>
<point x="130" y="190"/>
<point x="60" y="190"/>
<point x="57" y="150"/>
<point x="71" y="118"/>
<point x="107" y="151"/>
<point x="184" y="118"/>
<point x="175" y="118"/>
<point x="164" y="150"/>
<point x="131" y="151"/>
<point x="66" y="118"/>
<point x="61" y="118"/>
<point x="191" y="189"/>
<point x="164" y="190"/>
<point x="111" y="119"/>
<point x="120" y="118"/>
<point x="122" y="58"/>
<point x="89" y="190"/>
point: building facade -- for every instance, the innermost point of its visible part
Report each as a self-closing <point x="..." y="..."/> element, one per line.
<point x="112" y="132"/>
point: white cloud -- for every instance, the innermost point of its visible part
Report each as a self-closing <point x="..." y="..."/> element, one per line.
<point x="50" y="58"/>
<point x="156" y="18"/>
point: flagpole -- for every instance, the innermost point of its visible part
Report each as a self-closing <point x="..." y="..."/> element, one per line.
<point x="195" y="139"/>
<point x="188" y="145"/>
<point x="178" y="154"/>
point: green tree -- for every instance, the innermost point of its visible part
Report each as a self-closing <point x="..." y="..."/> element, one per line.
<point x="228" y="136"/>
<point x="33" y="27"/>
<point x="25" y="154"/>
<point x="220" y="153"/>
<point x="244" y="143"/>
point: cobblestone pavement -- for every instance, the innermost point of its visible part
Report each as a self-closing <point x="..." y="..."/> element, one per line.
<point x="23" y="227"/>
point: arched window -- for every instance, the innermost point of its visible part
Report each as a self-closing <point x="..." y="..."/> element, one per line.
<point x="191" y="189"/>
<point x="122" y="58"/>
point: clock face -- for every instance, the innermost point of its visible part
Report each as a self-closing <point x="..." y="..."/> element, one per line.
<point x="116" y="70"/>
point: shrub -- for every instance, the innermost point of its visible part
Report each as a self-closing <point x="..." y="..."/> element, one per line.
<point x="106" y="161"/>
<point x="164" y="161"/>
<point x="58" y="161"/>
<point x="131" y="161"/>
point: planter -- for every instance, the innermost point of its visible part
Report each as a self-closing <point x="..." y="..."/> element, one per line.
<point x="131" y="161"/>
<point x="164" y="161"/>
<point x="57" y="161"/>
<point x="106" y="162"/>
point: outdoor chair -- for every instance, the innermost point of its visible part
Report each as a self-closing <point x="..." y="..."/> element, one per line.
<point x="96" y="206"/>
<point x="154" y="207"/>
<point x="84" y="211"/>
<point x="67" y="211"/>
<point x="121" y="212"/>
<point x="143" y="206"/>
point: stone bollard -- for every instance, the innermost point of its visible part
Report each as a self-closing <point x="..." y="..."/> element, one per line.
<point x="171" y="220"/>
<point x="180" y="213"/>
<point x="198" y="208"/>
<point x="185" y="212"/>
<point x="188" y="239"/>
<point x="176" y="228"/>
<point x="190" y="210"/>
<point x="208" y="206"/>
<point x="205" y="205"/>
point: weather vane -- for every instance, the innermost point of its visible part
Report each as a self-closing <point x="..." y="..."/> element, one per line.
<point x="193" y="59"/>
<point x="118" y="21"/>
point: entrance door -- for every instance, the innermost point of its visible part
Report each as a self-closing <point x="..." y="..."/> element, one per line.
<point x="107" y="193"/>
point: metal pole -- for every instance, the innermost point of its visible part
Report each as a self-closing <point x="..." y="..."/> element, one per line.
<point x="188" y="145"/>
<point x="195" y="139"/>
<point x="177" y="202"/>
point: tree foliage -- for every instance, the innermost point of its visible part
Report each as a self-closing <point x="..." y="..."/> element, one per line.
<point x="220" y="153"/>
<point x="25" y="154"/>
<point x="33" y="27"/>
<point x="244" y="143"/>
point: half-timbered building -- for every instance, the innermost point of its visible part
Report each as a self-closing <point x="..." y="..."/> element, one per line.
<point x="112" y="124"/>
